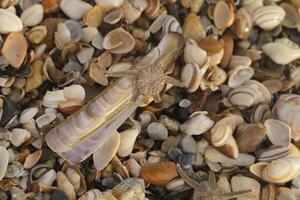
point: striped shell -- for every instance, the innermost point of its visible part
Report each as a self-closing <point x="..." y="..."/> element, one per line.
<point x="268" y="17"/>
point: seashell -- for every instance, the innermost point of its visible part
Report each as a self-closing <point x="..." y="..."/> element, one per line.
<point x="197" y="124"/>
<point x="53" y="98"/>
<point x="273" y="85"/>
<point x="193" y="28"/>
<point x="70" y="106"/>
<point x="268" y="192"/>
<point x="28" y="114"/>
<point x="243" y="23"/>
<point x="131" y="188"/>
<point x="239" y="60"/>
<point x="249" y="137"/>
<point x="37" y="34"/>
<point x="260" y="113"/>
<point x="133" y="167"/>
<point x="278" y="132"/>
<point x="33" y="15"/>
<point x="4" y="161"/>
<point x="272" y="153"/>
<point x="75" y="9"/>
<point x="238" y="75"/>
<point x="48" y="177"/>
<point x="281" y="170"/>
<point x="285" y="193"/>
<point x="157" y="131"/>
<point x="32" y="159"/>
<point x="92" y="194"/>
<point x="242" y="183"/>
<point x="230" y="148"/>
<point x="194" y="54"/>
<point x="131" y="14"/>
<point x="108" y="5"/>
<point x="45" y="119"/>
<point x="170" y="24"/>
<point x="74" y="178"/>
<point x="36" y="78"/>
<point x="14" y="49"/>
<point x="118" y="41"/>
<point x="51" y="6"/>
<point x="94" y="17"/>
<point x="85" y="55"/>
<point x="127" y="139"/>
<point x="175" y="184"/>
<point x="228" y="44"/>
<point x="215" y="156"/>
<point x="113" y="16"/>
<point x="152" y="9"/>
<point x="74" y="92"/>
<point x="19" y="136"/>
<point x="223" y="15"/>
<point x="252" y="4"/>
<point x="191" y="77"/>
<point x="65" y="185"/>
<point x="291" y="19"/>
<point x="75" y="30"/>
<point x="286" y="110"/>
<point x="98" y="74"/>
<point x="106" y="151"/>
<point x="268" y="17"/>
<point x="213" y="48"/>
<point x="159" y="173"/>
<point x="9" y="22"/>
<point x="286" y="54"/>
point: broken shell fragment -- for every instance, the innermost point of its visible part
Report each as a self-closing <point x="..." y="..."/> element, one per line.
<point x="9" y="22"/>
<point x="4" y="157"/>
<point x="32" y="159"/>
<point x="94" y="16"/>
<point x="106" y="151"/>
<point x="281" y="170"/>
<point x="159" y="173"/>
<point x="268" y="17"/>
<point x="65" y="185"/>
<point x="131" y="188"/>
<point x="197" y="124"/>
<point x="33" y="15"/>
<point x="53" y="98"/>
<point x="193" y="28"/>
<point x="19" y="136"/>
<point x="240" y="183"/>
<point x="14" y="49"/>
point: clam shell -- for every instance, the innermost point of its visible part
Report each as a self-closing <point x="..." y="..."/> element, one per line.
<point x="249" y="137"/>
<point x="127" y="139"/>
<point x="159" y="173"/>
<point x="48" y="177"/>
<point x="278" y="132"/>
<point x="106" y="151"/>
<point x="152" y="9"/>
<point x="94" y="16"/>
<point x="243" y="23"/>
<point x="92" y="194"/>
<point x="191" y="77"/>
<point x="74" y="92"/>
<point x="114" y="16"/>
<point x="98" y="74"/>
<point x="75" y="9"/>
<point x="268" y="192"/>
<point x="33" y="15"/>
<point x="291" y="19"/>
<point x="239" y="61"/>
<point x="75" y="30"/>
<point x="223" y="15"/>
<point x="273" y="85"/>
<point x="36" y="78"/>
<point x="213" y="48"/>
<point x="32" y="159"/>
<point x="118" y="41"/>
<point x="53" y="98"/>
<point x="281" y="170"/>
<point x="260" y="113"/>
<point x="239" y="75"/>
<point x="240" y="183"/>
<point x="230" y="148"/>
<point x="131" y="14"/>
<point x="197" y="124"/>
<point x="28" y="114"/>
<point x="9" y="22"/>
<point x="252" y="4"/>
<point x="14" y="49"/>
<point x="133" y="167"/>
<point x="19" y="136"/>
<point x="268" y="17"/>
<point x="272" y="153"/>
<point x="227" y="41"/>
<point x="37" y="34"/>
<point x="4" y="161"/>
<point x="45" y="119"/>
<point x="194" y="54"/>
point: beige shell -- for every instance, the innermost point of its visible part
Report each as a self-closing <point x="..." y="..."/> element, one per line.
<point x="168" y="23"/>
<point x="75" y="9"/>
<point x="113" y="16"/>
<point x="260" y="113"/>
<point x="9" y="22"/>
<point x="37" y="34"/>
<point x="193" y="28"/>
<point x="93" y="194"/>
<point x="33" y="15"/>
<point x="4" y="157"/>
<point x="236" y="60"/>
<point x="281" y="170"/>
<point x="268" y="17"/>
<point x="191" y="77"/>
<point x="106" y="151"/>
<point x="278" y="132"/>
<point x="252" y="4"/>
<point x="133" y="167"/>
<point x="272" y="153"/>
<point x="65" y="185"/>
<point x="223" y="15"/>
<point x="118" y="41"/>
<point x="240" y="183"/>
<point x="32" y="159"/>
<point x="239" y="75"/>
<point x="193" y="53"/>
<point x="291" y="19"/>
<point x="131" y="14"/>
<point x="109" y="4"/>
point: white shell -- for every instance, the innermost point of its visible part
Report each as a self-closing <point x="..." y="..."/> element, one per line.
<point x="9" y="22"/>
<point x="48" y="178"/>
<point x="193" y="53"/>
<point x="33" y="15"/>
<point x="19" y="136"/>
<point x="28" y="114"/>
<point x="74" y="92"/>
<point x="93" y="194"/>
<point x="239" y="75"/>
<point x="75" y="9"/>
<point x="45" y="119"/>
<point x="278" y="132"/>
<point x="4" y="157"/>
<point x="53" y="98"/>
<point x="268" y="17"/>
<point x="197" y="124"/>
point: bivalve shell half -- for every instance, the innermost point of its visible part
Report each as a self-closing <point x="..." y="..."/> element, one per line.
<point x="278" y="132"/>
<point x="4" y="157"/>
<point x="243" y="23"/>
<point x="92" y="194"/>
<point x="239" y="75"/>
<point x="240" y="183"/>
<point x="223" y="15"/>
<point x="75" y="9"/>
<point x="272" y="153"/>
<point x="194" y="54"/>
<point x="197" y="124"/>
<point x="108" y="5"/>
<point x="94" y="16"/>
<point x="191" y="77"/>
<point x="33" y="15"/>
<point x="291" y="19"/>
<point x="118" y="41"/>
<point x="14" y="49"/>
<point x="268" y="17"/>
<point x="281" y="170"/>
<point x="9" y="22"/>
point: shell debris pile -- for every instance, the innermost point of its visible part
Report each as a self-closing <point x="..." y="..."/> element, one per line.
<point x="149" y="99"/>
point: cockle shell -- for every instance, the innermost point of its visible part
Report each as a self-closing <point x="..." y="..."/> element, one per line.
<point x="197" y="124"/>
<point x="268" y="17"/>
<point x="239" y="75"/>
<point x="75" y="9"/>
<point x="4" y="157"/>
<point x="14" y="49"/>
<point x="281" y="53"/>
<point x="9" y="22"/>
<point x="106" y="151"/>
<point x="281" y="170"/>
<point x="127" y="139"/>
<point x="286" y="109"/>
<point x="33" y="15"/>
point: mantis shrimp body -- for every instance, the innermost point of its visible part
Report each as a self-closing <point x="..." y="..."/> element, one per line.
<point x="82" y="133"/>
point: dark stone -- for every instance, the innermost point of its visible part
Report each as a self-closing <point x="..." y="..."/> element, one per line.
<point x="187" y="159"/>
<point x="58" y="195"/>
<point x="10" y="109"/>
<point x="175" y="154"/>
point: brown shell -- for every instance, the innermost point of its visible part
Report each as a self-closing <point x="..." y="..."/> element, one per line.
<point x="15" y="49"/>
<point x="51" y="6"/>
<point x="94" y="16"/>
<point x="228" y="44"/>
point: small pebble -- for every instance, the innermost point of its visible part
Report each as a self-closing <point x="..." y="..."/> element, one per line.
<point x="188" y="144"/>
<point x="157" y="131"/>
<point x="58" y="195"/>
<point x="174" y="154"/>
